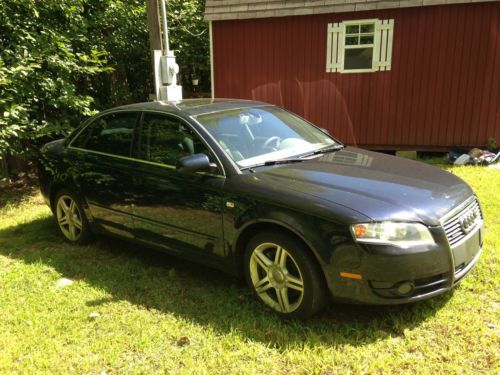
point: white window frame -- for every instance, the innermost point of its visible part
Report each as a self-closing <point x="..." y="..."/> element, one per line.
<point x="382" y="45"/>
<point x="374" y="46"/>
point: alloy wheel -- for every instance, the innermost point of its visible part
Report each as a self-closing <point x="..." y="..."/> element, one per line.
<point x="276" y="277"/>
<point x="69" y="217"/>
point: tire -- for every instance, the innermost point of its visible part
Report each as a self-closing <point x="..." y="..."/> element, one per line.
<point x="70" y="218"/>
<point x="283" y="274"/>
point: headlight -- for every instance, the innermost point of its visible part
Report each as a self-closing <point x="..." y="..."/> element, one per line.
<point x="398" y="234"/>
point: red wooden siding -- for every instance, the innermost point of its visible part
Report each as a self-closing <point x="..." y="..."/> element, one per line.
<point x="443" y="89"/>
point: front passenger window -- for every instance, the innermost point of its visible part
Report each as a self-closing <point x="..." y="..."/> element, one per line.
<point x="166" y="139"/>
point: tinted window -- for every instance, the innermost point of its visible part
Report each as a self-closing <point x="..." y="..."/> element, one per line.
<point x="111" y="134"/>
<point x="167" y="139"/>
<point x="81" y="138"/>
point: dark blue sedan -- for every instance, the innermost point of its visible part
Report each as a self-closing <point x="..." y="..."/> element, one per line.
<point x="259" y="192"/>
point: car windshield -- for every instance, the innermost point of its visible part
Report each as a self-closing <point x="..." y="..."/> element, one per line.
<point x="254" y="136"/>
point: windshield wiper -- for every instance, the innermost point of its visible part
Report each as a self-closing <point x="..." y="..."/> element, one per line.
<point x="274" y="162"/>
<point x="283" y="161"/>
<point x="323" y="150"/>
<point x="328" y="149"/>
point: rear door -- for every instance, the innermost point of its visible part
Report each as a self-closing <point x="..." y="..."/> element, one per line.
<point x="102" y="153"/>
<point x="177" y="211"/>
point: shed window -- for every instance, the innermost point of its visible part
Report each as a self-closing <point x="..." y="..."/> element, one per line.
<point x="359" y="46"/>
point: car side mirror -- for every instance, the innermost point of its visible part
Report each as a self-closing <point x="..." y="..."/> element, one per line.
<point x="195" y="163"/>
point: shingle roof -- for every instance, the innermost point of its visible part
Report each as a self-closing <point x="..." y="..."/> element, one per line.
<point x="240" y="9"/>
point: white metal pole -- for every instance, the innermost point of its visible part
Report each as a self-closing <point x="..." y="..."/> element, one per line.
<point x="167" y="67"/>
<point x="165" y="28"/>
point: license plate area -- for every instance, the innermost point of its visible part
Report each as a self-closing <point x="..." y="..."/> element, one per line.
<point x="464" y="252"/>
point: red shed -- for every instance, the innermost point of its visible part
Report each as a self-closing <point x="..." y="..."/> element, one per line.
<point x="400" y="74"/>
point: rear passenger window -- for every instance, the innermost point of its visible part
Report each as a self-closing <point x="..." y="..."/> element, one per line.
<point x="111" y="134"/>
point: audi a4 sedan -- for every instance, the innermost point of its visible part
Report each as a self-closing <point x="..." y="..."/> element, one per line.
<point x="256" y="191"/>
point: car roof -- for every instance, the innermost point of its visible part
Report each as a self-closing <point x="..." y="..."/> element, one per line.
<point x="192" y="107"/>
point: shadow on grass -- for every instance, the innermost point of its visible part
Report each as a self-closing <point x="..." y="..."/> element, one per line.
<point x="14" y="196"/>
<point x="192" y="292"/>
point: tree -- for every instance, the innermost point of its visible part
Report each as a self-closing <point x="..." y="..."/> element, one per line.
<point x="46" y="64"/>
<point x="62" y="60"/>
<point x="190" y="40"/>
<point x="120" y="29"/>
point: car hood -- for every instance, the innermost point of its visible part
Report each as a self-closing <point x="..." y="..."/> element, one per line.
<point x="380" y="186"/>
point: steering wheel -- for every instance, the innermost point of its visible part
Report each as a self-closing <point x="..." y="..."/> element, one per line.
<point x="269" y="141"/>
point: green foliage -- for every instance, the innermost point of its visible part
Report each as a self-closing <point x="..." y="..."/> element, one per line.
<point x="190" y="40"/>
<point x="46" y="60"/>
<point x="120" y="29"/>
<point x="60" y="61"/>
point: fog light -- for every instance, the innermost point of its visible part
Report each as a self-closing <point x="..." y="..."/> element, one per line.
<point x="405" y="288"/>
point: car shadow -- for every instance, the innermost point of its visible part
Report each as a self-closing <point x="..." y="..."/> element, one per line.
<point x="204" y="296"/>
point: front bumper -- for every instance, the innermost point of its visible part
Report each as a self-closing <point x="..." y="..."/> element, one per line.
<point x="429" y="270"/>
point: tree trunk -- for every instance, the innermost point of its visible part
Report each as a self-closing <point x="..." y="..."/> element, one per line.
<point x="4" y="168"/>
<point x="154" y="28"/>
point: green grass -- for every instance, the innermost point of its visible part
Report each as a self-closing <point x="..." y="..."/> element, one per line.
<point x="158" y="314"/>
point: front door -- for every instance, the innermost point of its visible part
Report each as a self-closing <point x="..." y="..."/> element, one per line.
<point x="177" y="211"/>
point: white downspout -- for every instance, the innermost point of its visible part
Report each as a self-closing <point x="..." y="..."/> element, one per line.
<point x="212" y="81"/>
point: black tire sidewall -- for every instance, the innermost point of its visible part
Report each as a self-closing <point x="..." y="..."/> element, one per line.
<point x="314" y="298"/>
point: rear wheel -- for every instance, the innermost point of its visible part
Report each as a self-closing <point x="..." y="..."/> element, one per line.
<point x="283" y="275"/>
<point x="71" y="219"/>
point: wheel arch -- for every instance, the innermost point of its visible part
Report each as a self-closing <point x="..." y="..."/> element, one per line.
<point x="252" y="228"/>
<point x="56" y="187"/>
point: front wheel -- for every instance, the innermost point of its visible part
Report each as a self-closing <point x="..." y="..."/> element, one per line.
<point x="284" y="275"/>
<point x="71" y="219"/>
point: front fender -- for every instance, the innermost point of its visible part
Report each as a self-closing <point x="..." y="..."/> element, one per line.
<point x="322" y="236"/>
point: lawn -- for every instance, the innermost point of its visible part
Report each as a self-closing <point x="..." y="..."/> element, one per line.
<point x="133" y="310"/>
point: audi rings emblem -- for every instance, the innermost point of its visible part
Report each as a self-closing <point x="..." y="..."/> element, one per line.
<point x="468" y="221"/>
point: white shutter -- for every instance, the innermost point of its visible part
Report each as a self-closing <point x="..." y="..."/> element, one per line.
<point x="334" y="45"/>
<point x="383" y="46"/>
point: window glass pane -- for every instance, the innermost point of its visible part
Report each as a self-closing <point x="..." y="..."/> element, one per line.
<point x="352" y="29"/>
<point x="351" y="40"/>
<point x="167" y="139"/>
<point x="358" y="58"/>
<point x="366" y="39"/>
<point x="370" y="28"/>
<point x="81" y="140"/>
<point x="254" y="135"/>
<point x="112" y="134"/>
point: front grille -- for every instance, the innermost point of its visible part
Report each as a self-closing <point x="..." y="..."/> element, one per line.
<point x="459" y="268"/>
<point x="463" y="222"/>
